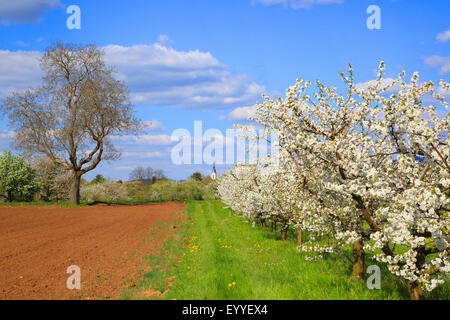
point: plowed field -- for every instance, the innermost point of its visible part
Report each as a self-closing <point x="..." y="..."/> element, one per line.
<point x="107" y="243"/>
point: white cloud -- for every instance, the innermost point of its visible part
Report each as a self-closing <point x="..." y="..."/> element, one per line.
<point x="241" y="113"/>
<point x="25" y="11"/>
<point x="155" y="75"/>
<point x="160" y="75"/>
<point x="156" y="140"/>
<point x="435" y="61"/>
<point x="443" y="36"/>
<point x="6" y="134"/>
<point x="21" y="43"/>
<point x="155" y="154"/>
<point x="6" y="137"/>
<point x="19" y="70"/>
<point x="296" y="4"/>
<point x="124" y="168"/>
<point x="164" y="40"/>
<point x="154" y="125"/>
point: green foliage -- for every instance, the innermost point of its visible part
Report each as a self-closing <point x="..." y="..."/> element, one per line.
<point x="98" y="179"/>
<point x="196" y="176"/>
<point x="17" y="178"/>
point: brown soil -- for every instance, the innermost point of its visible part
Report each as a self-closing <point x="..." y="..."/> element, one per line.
<point x="39" y="243"/>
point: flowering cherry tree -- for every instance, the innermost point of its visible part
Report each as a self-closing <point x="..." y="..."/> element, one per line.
<point x="413" y="147"/>
<point x="368" y="168"/>
<point x="260" y="192"/>
<point x="238" y="190"/>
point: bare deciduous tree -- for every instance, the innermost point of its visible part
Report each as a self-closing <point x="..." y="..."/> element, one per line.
<point x="159" y="174"/>
<point x="71" y="117"/>
<point x="138" y="174"/>
<point x="149" y="173"/>
<point x="146" y="175"/>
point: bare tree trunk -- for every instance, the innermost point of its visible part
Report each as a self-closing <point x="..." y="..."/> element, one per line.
<point x="358" y="260"/>
<point x="299" y="236"/>
<point x="284" y="230"/>
<point x="274" y="226"/>
<point x="416" y="290"/>
<point x="75" y="192"/>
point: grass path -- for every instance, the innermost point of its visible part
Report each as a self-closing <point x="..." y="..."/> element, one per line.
<point x="225" y="258"/>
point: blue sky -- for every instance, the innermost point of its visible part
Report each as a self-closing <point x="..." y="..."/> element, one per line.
<point x="211" y="60"/>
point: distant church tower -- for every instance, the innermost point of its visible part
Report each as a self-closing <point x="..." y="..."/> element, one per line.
<point x="214" y="172"/>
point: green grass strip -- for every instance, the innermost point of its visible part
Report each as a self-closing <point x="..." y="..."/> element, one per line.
<point x="225" y="258"/>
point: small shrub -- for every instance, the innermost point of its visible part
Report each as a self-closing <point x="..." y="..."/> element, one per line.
<point x="106" y="191"/>
<point x="55" y="183"/>
<point x="17" y="178"/>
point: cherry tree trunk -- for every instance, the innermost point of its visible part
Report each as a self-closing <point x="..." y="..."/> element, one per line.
<point x="263" y="223"/>
<point x="284" y="230"/>
<point x="416" y="291"/>
<point x="299" y="236"/>
<point x="274" y="226"/>
<point x="358" y="260"/>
